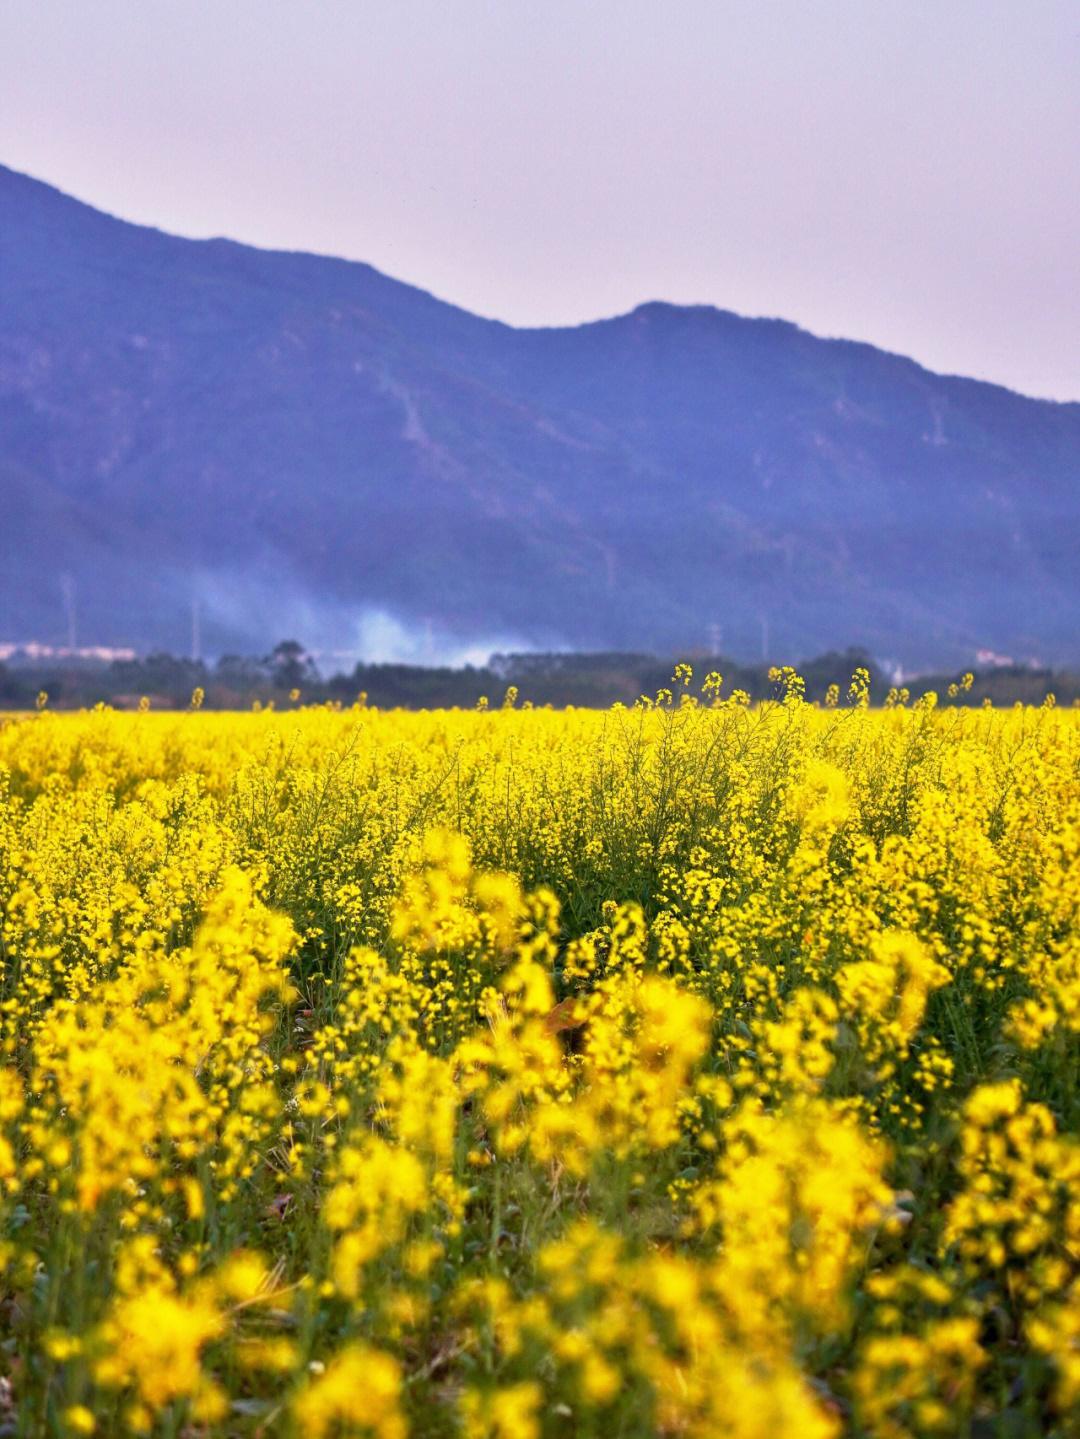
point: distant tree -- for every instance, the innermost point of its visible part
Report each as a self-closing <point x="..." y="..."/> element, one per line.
<point x="11" y="692"/>
<point x="291" y="667"/>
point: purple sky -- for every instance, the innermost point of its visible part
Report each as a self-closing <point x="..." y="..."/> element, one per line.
<point x="904" y="173"/>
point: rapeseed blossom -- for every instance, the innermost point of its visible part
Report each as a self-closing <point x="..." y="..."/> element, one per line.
<point x="691" y="1069"/>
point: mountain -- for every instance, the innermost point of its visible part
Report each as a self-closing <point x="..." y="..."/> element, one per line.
<point x="282" y="443"/>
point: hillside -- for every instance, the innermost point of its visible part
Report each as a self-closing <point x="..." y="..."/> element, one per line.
<point x="293" y="444"/>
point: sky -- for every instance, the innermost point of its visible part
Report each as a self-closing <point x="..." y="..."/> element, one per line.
<point x="902" y="173"/>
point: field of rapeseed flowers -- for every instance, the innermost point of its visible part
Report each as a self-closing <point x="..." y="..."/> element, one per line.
<point x="690" y="1069"/>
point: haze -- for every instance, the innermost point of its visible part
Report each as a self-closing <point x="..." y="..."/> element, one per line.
<point x="898" y="173"/>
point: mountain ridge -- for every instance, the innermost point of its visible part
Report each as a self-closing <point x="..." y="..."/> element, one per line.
<point x="7" y="174"/>
<point x="273" y="441"/>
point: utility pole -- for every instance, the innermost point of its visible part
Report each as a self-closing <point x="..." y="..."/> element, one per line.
<point x="764" y="638"/>
<point x="67" y="589"/>
<point x="195" y="635"/>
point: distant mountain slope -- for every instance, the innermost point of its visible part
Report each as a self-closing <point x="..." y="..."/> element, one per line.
<point x="301" y="443"/>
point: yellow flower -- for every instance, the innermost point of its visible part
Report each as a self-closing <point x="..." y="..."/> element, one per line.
<point x="154" y="1340"/>
<point x="358" y="1390"/>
